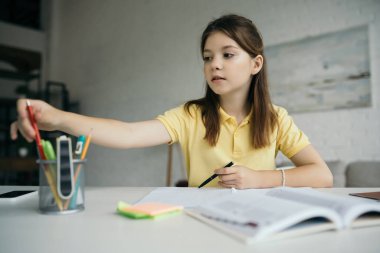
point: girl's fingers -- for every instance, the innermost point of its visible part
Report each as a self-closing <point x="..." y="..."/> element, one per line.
<point x="23" y="123"/>
<point x="26" y="129"/>
<point x="21" y="108"/>
<point x="229" y="182"/>
<point x="228" y="177"/>
<point x="14" y="130"/>
<point x="227" y="185"/>
<point x="226" y="170"/>
<point x="27" y="138"/>
<point x="38" y="115"/>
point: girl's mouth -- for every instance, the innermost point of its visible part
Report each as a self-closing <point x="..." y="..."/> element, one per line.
<point x="217" y="78"/>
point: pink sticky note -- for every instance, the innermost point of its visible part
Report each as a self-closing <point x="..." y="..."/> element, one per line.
<point x="153" y="208"/>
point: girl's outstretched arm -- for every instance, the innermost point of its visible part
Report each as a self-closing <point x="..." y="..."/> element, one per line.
<point x="105" y="132"/>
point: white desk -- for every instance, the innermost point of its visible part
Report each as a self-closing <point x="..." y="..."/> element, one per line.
<point x="100" y="229"/>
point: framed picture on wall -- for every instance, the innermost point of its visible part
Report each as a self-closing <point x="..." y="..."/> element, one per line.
<point x="326" y="72"/>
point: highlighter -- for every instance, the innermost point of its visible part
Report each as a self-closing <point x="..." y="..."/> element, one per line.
<point x="79" y="146"/>
<point x="50" y="155"/>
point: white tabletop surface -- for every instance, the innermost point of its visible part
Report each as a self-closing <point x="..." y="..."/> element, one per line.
<point x="100" y="229"/>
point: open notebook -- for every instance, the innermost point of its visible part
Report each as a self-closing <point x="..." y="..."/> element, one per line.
<point x="264" y="214"/>
<point x="285" y="212"/>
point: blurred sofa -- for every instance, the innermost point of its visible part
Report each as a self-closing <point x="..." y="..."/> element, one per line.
<point x="355" y="174"/>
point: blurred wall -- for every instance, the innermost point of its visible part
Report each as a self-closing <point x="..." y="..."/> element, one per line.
<point x="132" y="60"/>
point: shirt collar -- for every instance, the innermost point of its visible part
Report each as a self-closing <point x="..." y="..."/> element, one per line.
<point x="225" y="116"/>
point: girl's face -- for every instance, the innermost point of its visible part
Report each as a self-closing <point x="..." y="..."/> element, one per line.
<point x="228" y="69"/>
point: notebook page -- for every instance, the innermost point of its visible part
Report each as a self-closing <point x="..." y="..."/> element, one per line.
<point x="348" y="207"/>
<point x="189" y="196"/>
<point x="259" y="215"/>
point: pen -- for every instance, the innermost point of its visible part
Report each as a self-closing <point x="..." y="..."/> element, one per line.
<point x="76" y="183"/>
<point x="208" y="180"/>
<point x="42" y="156"/>
<point x="35" y="127"/>
<point x="86" y="145"/>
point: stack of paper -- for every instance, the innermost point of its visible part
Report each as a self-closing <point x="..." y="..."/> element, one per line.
<point x="151" y="210"/>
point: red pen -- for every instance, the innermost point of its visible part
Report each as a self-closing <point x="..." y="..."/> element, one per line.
<point x="49" y="177"/>
<point x="35" y="127"/>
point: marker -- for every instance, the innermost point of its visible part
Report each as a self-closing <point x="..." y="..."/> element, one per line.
<point x="79" y="146"/>
<point x="48" y="150"/>
<point x="50" y="155"/>
<point x="208" y="180"/>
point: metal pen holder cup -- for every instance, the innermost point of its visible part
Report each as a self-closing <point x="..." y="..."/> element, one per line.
<point x="61" y="193"/>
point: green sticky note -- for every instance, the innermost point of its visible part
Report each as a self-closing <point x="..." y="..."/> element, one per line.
<point x="165" y="215"/>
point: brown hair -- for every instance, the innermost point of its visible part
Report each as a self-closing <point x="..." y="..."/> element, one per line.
<point x="263" y="118"/>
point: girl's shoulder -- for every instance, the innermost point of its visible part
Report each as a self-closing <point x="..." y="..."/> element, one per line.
<point x="281" y="111"/>
<point x="192" y="107"/>
<point x="185" y="111"/>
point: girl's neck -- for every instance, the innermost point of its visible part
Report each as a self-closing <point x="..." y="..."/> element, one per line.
<point x="235" y="106"/>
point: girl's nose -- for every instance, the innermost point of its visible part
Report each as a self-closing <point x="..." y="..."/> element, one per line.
<point x="217" y="63"/>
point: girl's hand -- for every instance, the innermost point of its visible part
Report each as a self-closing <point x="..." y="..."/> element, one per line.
<point x="47" y="118"/>
<point x="239" y="177"/>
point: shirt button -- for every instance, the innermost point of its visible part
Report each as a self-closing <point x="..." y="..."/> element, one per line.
<point x="237" y="153"/>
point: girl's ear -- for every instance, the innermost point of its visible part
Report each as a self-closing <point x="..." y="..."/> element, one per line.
<point x="257" y="64"/>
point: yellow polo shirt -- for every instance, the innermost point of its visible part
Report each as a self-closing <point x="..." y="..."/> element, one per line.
<point x="233" y="144"/>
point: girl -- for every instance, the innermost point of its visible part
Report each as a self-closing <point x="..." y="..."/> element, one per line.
<point x="234" y="121"/>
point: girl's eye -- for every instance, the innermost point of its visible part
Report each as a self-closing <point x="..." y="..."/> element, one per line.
<point x="228" y="55"/>
<point x="206" y="58"/>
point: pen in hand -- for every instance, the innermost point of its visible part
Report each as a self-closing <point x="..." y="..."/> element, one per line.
<point x="208" y="180"/>
<point x="32" y="119"/>
<point x="42" y="156"/>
